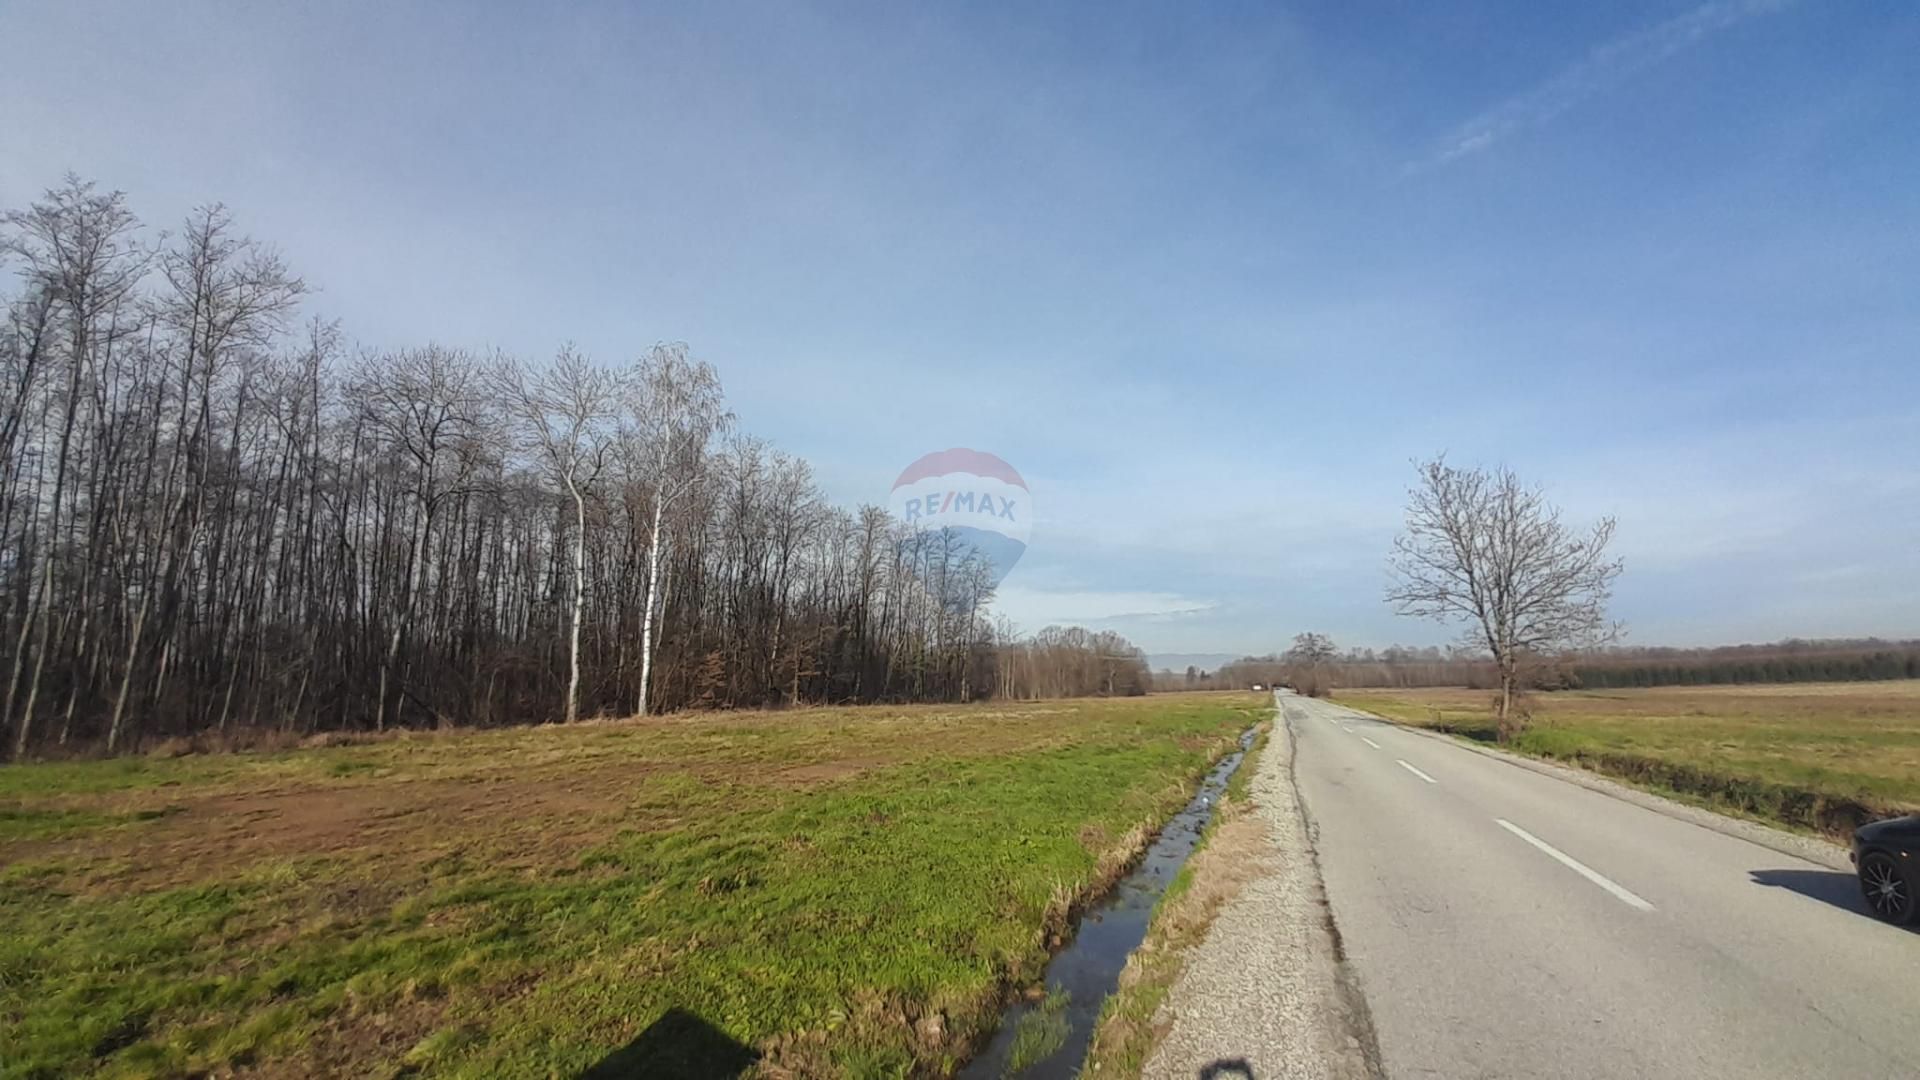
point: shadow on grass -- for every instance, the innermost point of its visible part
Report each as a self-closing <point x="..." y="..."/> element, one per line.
<point x="678" y="1046"/>
<point x="1827" y="886"/>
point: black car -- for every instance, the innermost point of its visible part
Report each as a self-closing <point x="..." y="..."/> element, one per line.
<point x="1887" y="854"/>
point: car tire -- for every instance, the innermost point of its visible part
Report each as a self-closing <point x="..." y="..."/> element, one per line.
<point x="1887" y="889"/>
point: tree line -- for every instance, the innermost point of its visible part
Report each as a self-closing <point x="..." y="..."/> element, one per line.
<point x="1394" y="666"/>
<point x="1069" y="661"/>
<point x="217" y="517"/>
<point x="1850" y="660"/>
<point x="1777" y="662"/>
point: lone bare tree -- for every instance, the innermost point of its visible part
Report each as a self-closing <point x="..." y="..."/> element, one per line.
<point x="1483" y="548"/>
<point x="1307" y="663"/>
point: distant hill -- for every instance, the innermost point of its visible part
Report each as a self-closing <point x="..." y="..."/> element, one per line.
<point x="1205" y="661"/>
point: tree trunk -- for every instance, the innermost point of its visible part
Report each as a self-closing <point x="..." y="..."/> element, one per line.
<point x="1505" y="717"/>
<point x="646" y="614"/>
<point x="39" y="665"/>
<point x="53" y="540"/>
<point x="416" y="556"/>
<point x="126" y="677"/>
<point x="579" y="599"/>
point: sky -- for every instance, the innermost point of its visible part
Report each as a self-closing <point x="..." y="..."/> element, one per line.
<point x="1211" y="277"/>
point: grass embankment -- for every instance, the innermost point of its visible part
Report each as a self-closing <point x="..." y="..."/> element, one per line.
<point x="1816" y="756"/>
<point x="843" y="891"/>
<point x="1233" y="850"/>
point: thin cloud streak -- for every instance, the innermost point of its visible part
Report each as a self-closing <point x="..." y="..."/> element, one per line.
<point x="1039" y="606"/>
<point x="1604" y="68"/>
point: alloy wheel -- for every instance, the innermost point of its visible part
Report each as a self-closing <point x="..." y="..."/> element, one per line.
<point x="1886" y="889"/>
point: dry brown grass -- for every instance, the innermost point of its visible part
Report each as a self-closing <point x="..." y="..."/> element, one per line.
<point x="1815" y="755"/>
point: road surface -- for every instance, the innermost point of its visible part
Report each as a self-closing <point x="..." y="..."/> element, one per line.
<point x="1501" y="922"/>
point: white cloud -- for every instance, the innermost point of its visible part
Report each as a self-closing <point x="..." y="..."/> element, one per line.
<point x="1603" y="68"/>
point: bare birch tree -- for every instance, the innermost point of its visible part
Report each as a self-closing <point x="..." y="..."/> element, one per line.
<point x="566" y="413"/>
<point x="1482" y="548"/>
<point x="674" y="409"/>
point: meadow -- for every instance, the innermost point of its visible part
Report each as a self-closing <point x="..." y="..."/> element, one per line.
<point x="1814" y="756"/>
<point x="847" y="891"/>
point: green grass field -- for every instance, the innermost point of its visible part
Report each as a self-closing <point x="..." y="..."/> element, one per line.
<point x="1811" y="755"/>
<point x="844" y="891"/>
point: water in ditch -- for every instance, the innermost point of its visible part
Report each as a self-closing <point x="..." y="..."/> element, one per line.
<point x="1080" y="977"/>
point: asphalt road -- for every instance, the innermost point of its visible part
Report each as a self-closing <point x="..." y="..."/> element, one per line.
<point x="1504" y="923"/>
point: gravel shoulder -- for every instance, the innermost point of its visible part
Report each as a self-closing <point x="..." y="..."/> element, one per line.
<point x="1264" y="994"/>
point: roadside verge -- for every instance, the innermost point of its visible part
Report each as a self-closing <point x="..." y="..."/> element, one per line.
<point x="1261" y="991"/>
<point x="1814" y="849"/>
<point x="1231" y="852"/>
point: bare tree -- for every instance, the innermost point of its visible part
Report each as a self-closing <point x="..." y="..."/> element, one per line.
<point x="674" y="409"/>
<point x="225" y="299"/>
<point x="1307" y="663"/>
<point x="78" y="253"/>
<point x="426" y="407"/>
<point x="566" y="413"/>
<point x="1482" y="548"/>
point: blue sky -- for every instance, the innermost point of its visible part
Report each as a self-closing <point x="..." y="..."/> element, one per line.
<point x="1209" y="276"/>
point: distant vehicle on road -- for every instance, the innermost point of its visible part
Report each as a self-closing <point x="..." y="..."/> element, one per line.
<point x="1887" y="855"/>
